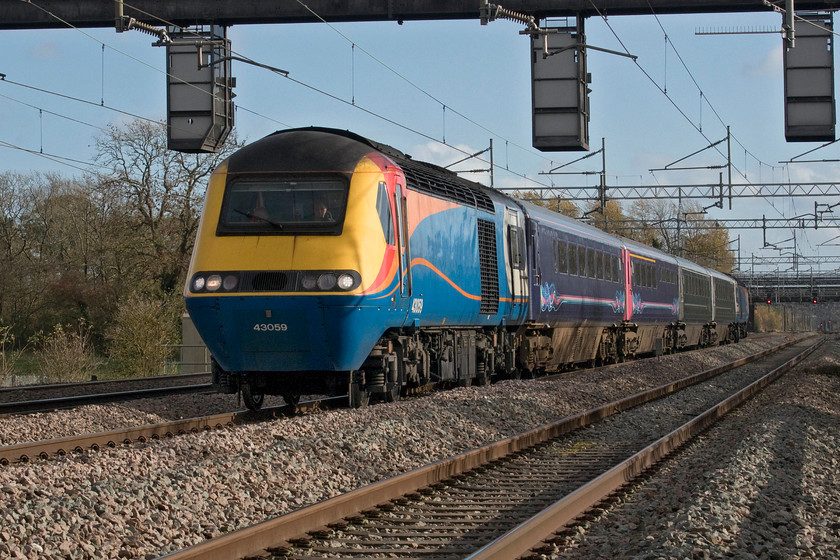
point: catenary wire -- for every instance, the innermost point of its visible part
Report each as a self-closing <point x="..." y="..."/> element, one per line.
<point x="650" y="78"/>
<point x="697" y="85"/>
<point x="52" y="112"/>
<point x="368" y="111"/>
<point x="88" y="35"/>
<point x="670" y="99"/>
<point x="56" y="158"/>
<point x="373" y="113"/>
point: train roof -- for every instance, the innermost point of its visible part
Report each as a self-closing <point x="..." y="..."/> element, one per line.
<point x="423" y="176"/>
<point x="565" y="223"/>
<point x="648" y="251"/>
<point x="302" y="149"/>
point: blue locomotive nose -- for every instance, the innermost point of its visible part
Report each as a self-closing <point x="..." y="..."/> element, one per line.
<point x="285" y="333"/>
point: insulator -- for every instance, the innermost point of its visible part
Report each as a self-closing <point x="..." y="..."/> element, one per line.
<point x="514" y="16"/>
<point x="146" y="28"/>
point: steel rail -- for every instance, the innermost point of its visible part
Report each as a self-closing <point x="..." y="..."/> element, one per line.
<point x="23" y="452"/>
<point x="100" y="382"/>
<point x="279" y="531"/>
<point x="39" y="405"/>
<point x="532" y="532"/>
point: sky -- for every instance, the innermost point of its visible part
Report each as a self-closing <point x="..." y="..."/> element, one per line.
<point x="440" y="90"/>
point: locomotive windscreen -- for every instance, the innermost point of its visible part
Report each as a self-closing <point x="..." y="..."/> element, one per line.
<point x="283" y="206"/>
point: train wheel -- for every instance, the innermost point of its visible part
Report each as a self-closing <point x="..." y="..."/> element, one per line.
<point x="291" y="399"/>
<point x="253" y="400"/>
<point x="393" y="389"/>
<point x="357" y="395"/>
<point x="393" y="392"/>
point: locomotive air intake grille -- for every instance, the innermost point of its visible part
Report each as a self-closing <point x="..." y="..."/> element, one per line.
<point x="272" y="281"/>
<point x="452" y="188"/>
<point x="487" y="258"/>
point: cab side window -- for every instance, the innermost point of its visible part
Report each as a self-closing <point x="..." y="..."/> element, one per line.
<point x="383" y="208"/>
<point x="516" y="241"/>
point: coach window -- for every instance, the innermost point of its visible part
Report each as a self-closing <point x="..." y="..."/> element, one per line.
<point x="599" y="265"/>
<point x="573" y="260"/>
<point x="586" y="265"/>
<point x="562" y="257"/>
<point x="581" y="260"/>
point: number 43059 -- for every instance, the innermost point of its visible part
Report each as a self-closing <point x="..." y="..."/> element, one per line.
<point x="266" y="327"/>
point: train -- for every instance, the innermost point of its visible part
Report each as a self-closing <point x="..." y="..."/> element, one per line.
<point x="327" y="263"/>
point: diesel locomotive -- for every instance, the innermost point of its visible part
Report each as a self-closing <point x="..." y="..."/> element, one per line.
<point x="326" y="263"/>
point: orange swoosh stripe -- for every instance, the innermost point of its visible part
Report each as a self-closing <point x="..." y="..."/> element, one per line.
<point x="427" y="264"/>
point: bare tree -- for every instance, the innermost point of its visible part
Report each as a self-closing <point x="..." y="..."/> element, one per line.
<point x="164" y="190"/>
<point x="560" y="205"/>
<point x="21" y="246"/>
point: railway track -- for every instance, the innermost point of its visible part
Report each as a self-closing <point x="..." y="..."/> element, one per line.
<point x="37" y="398"/>
<point x="53" y="390"/>
<point x="25" y="452"/>
<point x="500" y="500"/>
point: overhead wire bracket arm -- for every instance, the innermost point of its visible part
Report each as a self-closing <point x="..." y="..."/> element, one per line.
<point x="667" y="167"/>
<point x="241" y="59"/>
<point x="585" y="46"/>
<point x="468" y="157"/>
<point x="791" y="160"/>
<point x="570" y="163"/>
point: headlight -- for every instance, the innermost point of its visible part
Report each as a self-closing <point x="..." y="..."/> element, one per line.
<point x="308" y="281"/>
<point x="313" y="281"/>
<point x="230" y="282"/>
<point x="327" y="281"/>
<point x="345" y="281"/>
<point x="214" y="282"/>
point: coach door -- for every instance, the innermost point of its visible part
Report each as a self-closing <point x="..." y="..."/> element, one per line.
<point x="516" y="261"/>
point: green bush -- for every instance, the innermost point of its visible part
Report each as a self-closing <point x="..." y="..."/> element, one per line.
<point x="142" y="333"/>
<point x="9" y="355"/>
<point x="67" y="355"/>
